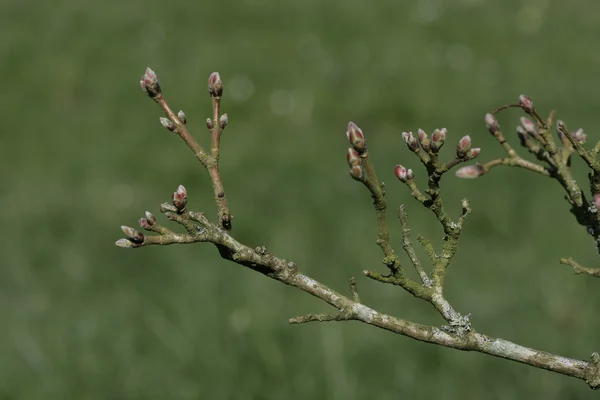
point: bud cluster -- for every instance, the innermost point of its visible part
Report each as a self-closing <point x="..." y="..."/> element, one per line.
<point x="180" y="198"/>
<point x="355" y="163"/>
<point x="403" y="174"/>
<point x="526" y="104"/>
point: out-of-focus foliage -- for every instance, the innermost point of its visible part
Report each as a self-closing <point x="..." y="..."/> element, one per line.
<point x="82" y="152"/>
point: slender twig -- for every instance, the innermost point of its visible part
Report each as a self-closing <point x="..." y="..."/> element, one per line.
<point x="578" y="269"/>
<point x="408" y="248"/>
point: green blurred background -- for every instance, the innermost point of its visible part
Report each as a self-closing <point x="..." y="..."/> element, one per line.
<point x="82" y="153"/>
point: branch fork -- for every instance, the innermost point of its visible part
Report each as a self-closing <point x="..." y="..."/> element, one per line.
<point x="457" y="332"/>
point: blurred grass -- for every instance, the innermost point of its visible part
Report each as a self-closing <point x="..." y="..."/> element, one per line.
<point x="82" y="153"/>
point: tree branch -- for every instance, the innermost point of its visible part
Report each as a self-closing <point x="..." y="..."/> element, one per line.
<point x="458" y="334"/>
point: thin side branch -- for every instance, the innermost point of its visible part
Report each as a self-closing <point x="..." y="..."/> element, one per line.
<point x="579" y="269"/>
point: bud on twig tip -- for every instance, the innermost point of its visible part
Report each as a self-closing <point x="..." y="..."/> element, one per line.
<point x="470" y="172"/>
<point x="124" y="243"/>
<point x="180" y="198"/>
<point x="215" y="86"/>
<point x="464" y="143"/>
<point x="356" y="138"/>
<point x="410" y="140"/>
<point x="149" y="83"/>
<point x="132" y="234"/>
<point x="526" y="104"/>
<point x="150" y="218"/>
<point x="492" y="123"/>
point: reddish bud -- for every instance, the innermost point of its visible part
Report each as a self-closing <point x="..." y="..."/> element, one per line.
<point x="132" y="234"/>
<point x="437" y="139"/>
<point x="579" y="136"/>
<point x="149" y="83"/>
<point x="168" y="124"/>
<point x="470" y="171"/>
<point x="403" y="174"/>
<point x="410" y="140"/>
<point x="215" y="86"/>
<point x="492" y="123"/>
<point x="464" y="143"/>
<point x="180" y="198"/>
<point x="356" y="138"/>
<point x="353" y="157"/>
<point x="424" y="139"/>
<point x="474" y="152"/>
<point x="144" y="223"/>
<point x="356" y="172"/>
<point x="528" y="125"/>
<point x="182" y="117"/>
<point x="526" y="104"/>
<point x="223" y="121"/>
<point x="150" y="218"/>
<point x="209" y="123"/>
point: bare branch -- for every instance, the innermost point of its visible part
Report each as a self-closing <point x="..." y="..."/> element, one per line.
<point x="578" y="269"/>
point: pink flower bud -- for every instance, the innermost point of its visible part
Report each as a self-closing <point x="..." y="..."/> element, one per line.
<point x="492" y="123"/>
<point x="215" y="86"/>
<point x="403" y="174"/>
<point x="149" y="83"/>
<point x="464" y="143"/>
<point x="410" y="140"/>
<point x="424" y="139"/>
<point x="528" y="125"/>
<point x="150" y="218"/>
<point x="168" y="124"/>
<point x="470" y="171"/>
<point x="132" y="234"/>
<point x="144" y="223"/>
<point x="474" y="152"/>
<point x="353" y="157"/>
<point x="356" y="172"/>
<point x="437" y="139"/>
<point x="356" y="138"/>
<point x="180" y="198"/>
<point x="526" y="104"/>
